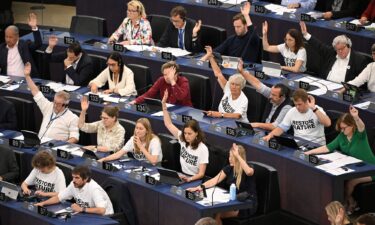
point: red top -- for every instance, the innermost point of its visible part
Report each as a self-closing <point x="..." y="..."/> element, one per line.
<point x="179" y="94"/>
<point x="369" y="13"/>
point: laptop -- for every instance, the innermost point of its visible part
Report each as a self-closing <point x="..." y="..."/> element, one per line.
<point x="10" y="190"/>
<point x="271" y="68"/>
<point x="169" y="177"/>
<point x="154" y="105"/>
<point x="246" y="127"/>
<point x="31" y="139"/>
<point x="89" y="154"/>
<point x="287" y="142"/>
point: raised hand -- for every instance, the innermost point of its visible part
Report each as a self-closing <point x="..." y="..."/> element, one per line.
<point x="303" y="28"/>
<point x="84" y="103"/>
<point x="165" y="98"/>
<point x="52" y="41"/>
<point x="32" y="20"/>
<point x="234" y="150"/>
<point x="240" y="66"/>
<point x="197" y="28"/>
<point x="245" y="9"/>
<point x="265" y="28"/>
<point x="311" y="101"/>
<point x="340" y="217"/>
<point x="208" y="51"/>
<point x="353" y="111"/>
<point x="27" y="69"/>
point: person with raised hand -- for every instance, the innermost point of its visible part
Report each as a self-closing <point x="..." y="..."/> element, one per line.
<point x="336" y="213"/>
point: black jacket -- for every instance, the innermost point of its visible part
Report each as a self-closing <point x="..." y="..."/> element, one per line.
<point x="26" y="49"/>
<point x="8" y="165"/>
<point x="349" y="8"/>
<point x="83" y="72"/>
<point x="327" y="54"/>
<point x="170" y="37"/>
<point x="8" y="115"/>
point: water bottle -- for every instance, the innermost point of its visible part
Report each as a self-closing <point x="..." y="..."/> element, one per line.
<point x="232" y="192"/>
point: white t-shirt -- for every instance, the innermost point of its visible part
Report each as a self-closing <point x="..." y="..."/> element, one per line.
<point x="228" y="105"/>
<point x="305" y="125"/>
<point x="154" y="148"/>
<point x="290" y="57"/>
<point x="91" y="195"/>
<point x="47" y="182"/>
<point x="190" y="159"/>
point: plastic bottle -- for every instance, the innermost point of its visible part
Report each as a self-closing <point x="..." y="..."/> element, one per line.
<point x="232" y="192"/>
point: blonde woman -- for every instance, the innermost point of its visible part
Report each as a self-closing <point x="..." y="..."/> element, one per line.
<point x="144" y="144"/>
<point x="135" y="29"/>
<point x="336" y="213"/>
<point x="241" y="174"/>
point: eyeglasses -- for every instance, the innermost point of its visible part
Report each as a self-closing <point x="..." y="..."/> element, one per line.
<point x="111" y="64"/>
<point x="341" y="49"/>
<point x="58" y="103"/>
<point x="343" y="128"/>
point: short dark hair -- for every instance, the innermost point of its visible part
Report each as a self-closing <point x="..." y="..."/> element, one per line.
<point x="297" y="35"/>
<point x="241" y="17"/>
<point x="75" y="47"/>
<point x="366" y="219"/>
<point x="179" y="10"/>
<point x="284" y="90"/>
<point x="300" y="94"/>
<point x="194" y="125"/>
<point x="83" y="171"/>
<point x="43" y="159"/>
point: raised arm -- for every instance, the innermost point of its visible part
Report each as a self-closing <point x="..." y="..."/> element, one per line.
<point x="248" y="76"/>
<point x="266" y="46"/>
<point x="354" y="112"/>
<point x="245" y="10"/>
<point x="167" y="118"/>
<point x="30" y="83"/>
<point x="322" y="117"/>
<point x="84" y="107"/>
<point x="217" y="71"/>
<point x="246" y="168"/>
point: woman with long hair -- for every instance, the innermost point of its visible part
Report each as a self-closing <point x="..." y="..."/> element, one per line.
<point x="336" y="213"/>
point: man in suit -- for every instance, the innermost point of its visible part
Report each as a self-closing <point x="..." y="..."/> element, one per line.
<point x="181" y="32"/>
<point x="14" y="53"/>
<point x="8" y="165"/>
<point x="339" y="62"/>
<point x="78" y="66"/>
<point x="334" y="9"/>
<point x="8" y="117"/>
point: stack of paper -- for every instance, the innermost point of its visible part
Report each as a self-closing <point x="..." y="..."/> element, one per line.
<point x="338" y="160"/>
<point x="219" y="196"/>
<point x="368" y="27"/>
<point x="279" y="9"/>
<point x="4" y="79"/>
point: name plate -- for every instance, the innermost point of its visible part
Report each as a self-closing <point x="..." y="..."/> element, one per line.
<point x="118" y="48"/>
<point x="306" y="18"/>
<point x="150" y="180"/>
<point x="231" y="131"/>
<point x="186" y="118"/>
<point x="260" y="75"/>
<point x="348" y="97"/>
<point x="69" y="40"/>
<point x="314" y="159"/>
<point x="15" y="143"/>
<point x="45" y="89"/>
<point x="109" y="167"/>
<point x="260" y="9"/>
<point x="141" y="108"/>
<point x="167" y="56"/>
<point x="63" y="154"/>
<point x="213" y="2"/>
<point x="42" y="211"/>
<point x="304" y="85"/>
<point x="94" y="98"/>
<point x="351" y="27"/>
<point x="193" y="196"/>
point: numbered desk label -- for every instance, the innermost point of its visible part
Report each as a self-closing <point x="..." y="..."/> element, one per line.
<point x="69" y="40"/>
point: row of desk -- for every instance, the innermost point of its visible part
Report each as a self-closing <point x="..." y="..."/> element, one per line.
<point x="114" y="11"/>
<point x="304" y="189"/>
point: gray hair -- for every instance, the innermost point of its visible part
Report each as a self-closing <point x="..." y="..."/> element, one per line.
<point x="238" y="79"/>
<point x="14" y="29"/>
<point x="64" y="95"/>
<point x="342" y="39"/>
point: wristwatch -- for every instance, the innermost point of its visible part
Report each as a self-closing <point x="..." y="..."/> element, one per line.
<point x="316" y="109"/>
<point x="83" y="209"/>
<point x="222" y="115"/>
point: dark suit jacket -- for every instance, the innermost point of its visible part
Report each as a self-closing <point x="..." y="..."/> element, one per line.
<point x="349" y="8"/>
<point x="8" y="165"/>
<point x="81" y="75"/>
<point x="25" y="48"/>
<point x="327" y="54"/>
<point x="8" y="116"/>
<point x="170" y="37"/>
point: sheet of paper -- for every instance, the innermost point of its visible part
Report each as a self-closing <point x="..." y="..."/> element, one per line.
<point x="78" y="153"/>
<point x="111" y="99"/>
<point x="138" y="48"/>
<point x="232" y="2"/>
<point x="20" y="137"/>
<point x="279" y="9"/>
<point x="219" y="196"/>
<point x="10" y="87"/>
<point x="363" y="105"/>
<point x="71" y="87"/>
<point x="317" y="92"/>
<point x="339" y="171"/>
<point x="356" y="22"/>
<point x="331" y="156"/>
<point x="4" y="79"/>
<point x="158" y="114"/>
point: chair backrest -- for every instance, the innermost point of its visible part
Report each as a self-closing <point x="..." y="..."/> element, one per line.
<point x="67" y="171"/>
<point x="89" y="25"/>
<point x="200" y="90"/>
<point x="171" y="152"/>
<point x="24" y="165"/>
<point x="330" y="132"/>
<point x="142" y="77"/>
<point x="212" y="36"/>
<point x="99" y="63"/>
<point x="158" y="25"/>
<point x="256" y="104"/>
<point x="371" y="138"/>
<point x="267" y="186"/>
<point x="129" y="127"/>
<point x="313" y="64"/>
<point x="25" y="113"/>
<point x="217" y="158"/>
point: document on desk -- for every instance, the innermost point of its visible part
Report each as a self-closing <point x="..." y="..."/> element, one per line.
<point x="160" y="113"/>
<point x="138" y="48"/>
<point x="9" y="87"/>
<point x="279" y="9"/>
<point x="331" y="156"/>
<point x="177" y="52"/>
<point x="220" y="196"/>
<point x="363" y="105"/>
<point x="56" y="87"/>
<point x="368" y="27"/>
<point x="4" y="79"/>
<point x="338" y="161"/>
<point x="68" y="148"/>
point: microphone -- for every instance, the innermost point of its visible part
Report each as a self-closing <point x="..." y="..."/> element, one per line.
<point x="213" y="190"/>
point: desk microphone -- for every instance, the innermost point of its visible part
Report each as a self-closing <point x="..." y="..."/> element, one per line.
<point x="213" y="190"/>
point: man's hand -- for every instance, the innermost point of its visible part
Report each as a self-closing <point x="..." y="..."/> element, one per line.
<point x="52" y="41"/>
<point x="265" y="28"/>
<point x="311" y="101"/>
<point x="32" y="21"/>
<point x="294" y="6"/>
<point x="84" y="103"/>
<point x="27" y="69"/>
<point x="354" y="112"/>
<point x="245" y="9"/>
<point x="93" y="88"/>
<point x="240" y="66"/>
<point x="303" y="28"/>
<point x="171" y="75"/>
<point x="197" y="28"/>
<point x="68" y="62"/>
<point x="363" y="20"/>
<point x="327" y="15"/>
<point x="208" y="51"/>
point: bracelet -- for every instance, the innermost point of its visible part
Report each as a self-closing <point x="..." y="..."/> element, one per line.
<point x="222" y="115"/>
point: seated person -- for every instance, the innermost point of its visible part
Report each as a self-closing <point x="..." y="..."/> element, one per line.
<point x="277" y="106"/>
<point x="366" y="219"/>
<point x="367" y="75"/>
<point x="336" y="214"/>
<point x="292" y="50"/>
<point x="245" y="43"/>
<point x="335" y="9"/>
<point x="58" y="122"/>
<point x="352" y="141"/>
<point x="8" y="115"/>
<point x="48" y="179"/>
<point x="177" y="86"/>
<point x="9" y="170"/>
<point x="110" y="132"/>
<point x="119" y="77"/>
<point x="303" y="4"/>
<point x="144" y="144"/>
<point x="308" y="120"/>
<point x="15" y="52"/>
<point x="369" y="14"/>
<point x="339" y="62"/>
<point x="206" y="221"/>
<point x="234" y="102"/>
<point x="78" y="67"/>
<point x="181" y="32"/>
<point x="240" y="173"/>
<point x="193" y="153"/>
<point x="88" y="195"/>
<point x="135" y="29"/>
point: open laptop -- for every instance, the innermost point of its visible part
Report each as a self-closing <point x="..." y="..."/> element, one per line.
<point x="169" y="177"/>
<point x="271" y="68"/>
<point x="10" y="190"/>
<point x="230" y="62"/>
<point x="287" y="142"/>
<point x="246" y="127"/>
<point x="31" y="139"/>
<point x="89" y="154"/>
<point x="154" y="105"/>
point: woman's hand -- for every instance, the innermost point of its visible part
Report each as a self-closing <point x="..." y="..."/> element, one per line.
<point x="265" y="28"/>
<point x="84" y="103"/>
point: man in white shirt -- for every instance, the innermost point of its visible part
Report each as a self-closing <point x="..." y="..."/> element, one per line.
<point x="339" y="62"/>
<point x="59" y="122"/>
<point x="307" y="119"/>
<point x="14" y="53"/>
<point x="89" y="195"/>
